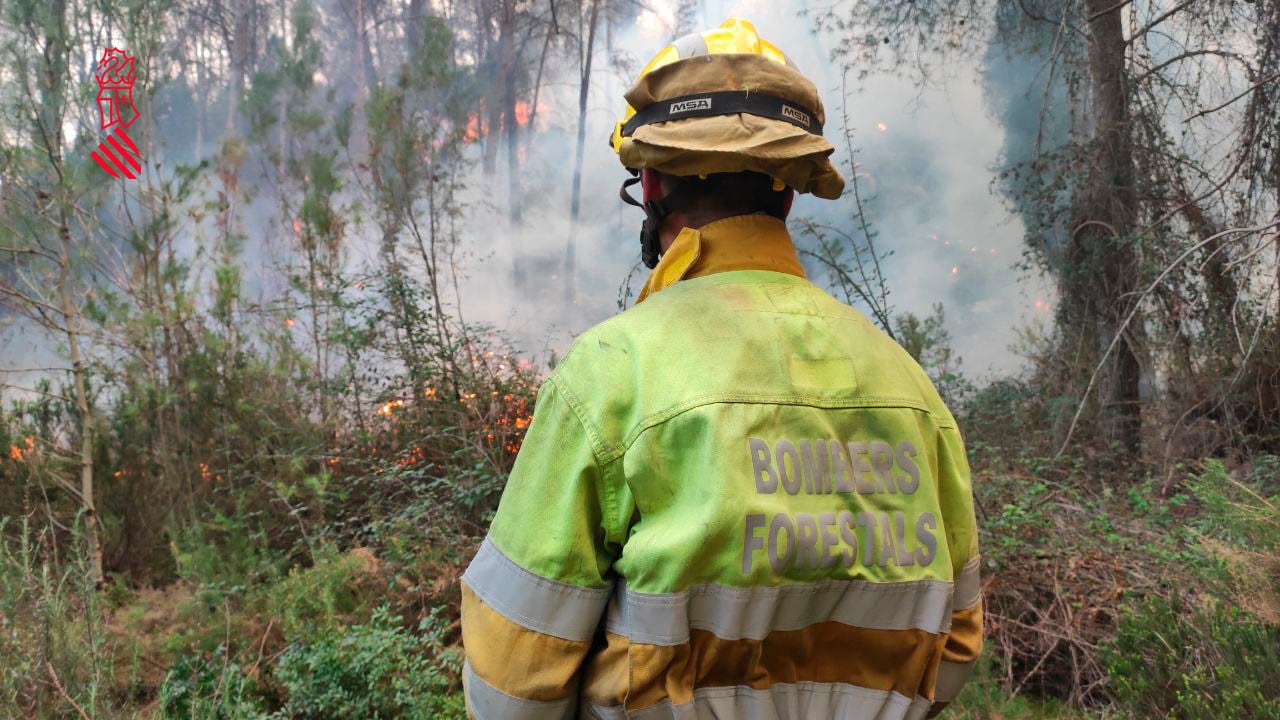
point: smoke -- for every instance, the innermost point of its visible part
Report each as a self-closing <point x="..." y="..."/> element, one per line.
<point x="928" y="158"/>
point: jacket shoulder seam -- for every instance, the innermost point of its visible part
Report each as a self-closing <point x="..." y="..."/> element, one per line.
<point x="601" y="450"/>
<point x="866" y="401"/>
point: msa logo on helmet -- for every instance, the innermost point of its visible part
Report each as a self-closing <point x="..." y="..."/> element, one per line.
<point x="685" y="106"/>
<point x="794" y="114"/>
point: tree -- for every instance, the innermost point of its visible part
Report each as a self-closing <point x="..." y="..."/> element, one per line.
<point x="1150" y="232"/>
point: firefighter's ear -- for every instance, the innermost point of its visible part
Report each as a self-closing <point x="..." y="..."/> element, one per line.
<point x="651" y="181"/>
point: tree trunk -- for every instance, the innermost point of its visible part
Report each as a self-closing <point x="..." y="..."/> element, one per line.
<point x="494" y="99"/>
<point x="575" y="201"/>
<point x="239" y="52"/>
<point x="512" y="125"/>
<point x="1103" y="268"/>
<point x="71" y="320"/>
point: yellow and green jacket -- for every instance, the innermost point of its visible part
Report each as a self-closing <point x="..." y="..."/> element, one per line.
<point x="738" y="499"/>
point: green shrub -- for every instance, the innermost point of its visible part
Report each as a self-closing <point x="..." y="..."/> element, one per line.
<point x="378" y="670"/>
<point x="54" y="648"/>
<point x="1173" y="660"/>
<point x="1217" y="655"/>
<point x="325" y="595"/>
<point x="216" y="688"/>
<point x="225" y="555"/>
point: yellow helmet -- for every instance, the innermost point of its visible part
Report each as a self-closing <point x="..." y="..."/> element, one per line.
<point x="725" y="100"/>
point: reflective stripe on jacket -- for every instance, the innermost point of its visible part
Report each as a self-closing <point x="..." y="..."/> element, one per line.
<point x="738" y="499"/>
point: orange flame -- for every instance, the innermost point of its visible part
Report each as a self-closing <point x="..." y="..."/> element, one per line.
<point x="390" y="407"/>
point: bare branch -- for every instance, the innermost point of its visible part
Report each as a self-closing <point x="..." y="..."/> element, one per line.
<point x="1138" y="303"/>
<point x="1159" y="19"/>
<point x="1255" y="86"/>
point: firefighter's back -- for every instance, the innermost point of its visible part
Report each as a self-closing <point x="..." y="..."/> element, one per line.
<point x="773" y="515"/>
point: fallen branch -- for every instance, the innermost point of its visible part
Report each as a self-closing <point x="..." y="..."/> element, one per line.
<point x="61" y="691"/>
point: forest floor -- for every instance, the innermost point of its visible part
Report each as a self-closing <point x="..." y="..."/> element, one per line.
<point x="1112" y="588"/>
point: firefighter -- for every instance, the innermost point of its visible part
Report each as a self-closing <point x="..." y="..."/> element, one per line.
<point x="739" y="498"/>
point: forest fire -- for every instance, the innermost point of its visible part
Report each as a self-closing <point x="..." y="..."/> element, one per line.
<point x="17" y="454"/>
<point x="478" y="128"/>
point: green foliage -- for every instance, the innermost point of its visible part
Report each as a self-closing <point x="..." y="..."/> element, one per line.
<point x="50" y="625"/>
<point x="1214" y="655"/>
<point x="216" y="688"/>
<point x="323" y="595"/>
<point x="1174" y="659"/>
<point x="224" y="555"/>
<point x="927" y="340"/>
<point x="378" y="670"/>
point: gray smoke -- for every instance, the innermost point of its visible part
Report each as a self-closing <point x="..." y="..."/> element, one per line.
<point x="927" y="159"/>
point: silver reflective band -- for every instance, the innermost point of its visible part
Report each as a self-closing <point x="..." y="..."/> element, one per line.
<point x="968" y="586"/>
<point x="489" y="703"/>
<point x="691" y="45"/>
<point x="754" y="612"/>
<point x="787" y="701"/>
<point x="951" y="677"/>
<point x="549" y="607"/>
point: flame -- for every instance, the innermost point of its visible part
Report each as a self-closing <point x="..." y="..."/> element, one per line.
<point x="288" y="322"/>
<point x="882" y="127"/>
<point x="390" y="407"/>
<point x="477" y="128"/>
<point x="474" y="130"/>
<point x="524" y="111"/>
<point x="955" y="270"/>
<point x="204" y="471"/>
<point x="431" y="392"/>
<point x="297" y="226"/>
<point x="18" y="453"/>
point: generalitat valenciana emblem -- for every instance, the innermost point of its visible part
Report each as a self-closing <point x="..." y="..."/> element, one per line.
<point x="117" y="154"/>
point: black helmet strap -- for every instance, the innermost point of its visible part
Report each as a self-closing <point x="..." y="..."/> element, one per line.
<point x="655" y="212"/>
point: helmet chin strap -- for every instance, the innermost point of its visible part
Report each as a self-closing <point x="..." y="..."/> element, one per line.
<point x="655" y="212"/>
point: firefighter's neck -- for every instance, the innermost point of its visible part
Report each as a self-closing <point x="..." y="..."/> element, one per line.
<point x="695" y="219"/>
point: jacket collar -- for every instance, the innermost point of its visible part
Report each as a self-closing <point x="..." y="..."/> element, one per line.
<point x="741" y="242"/>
